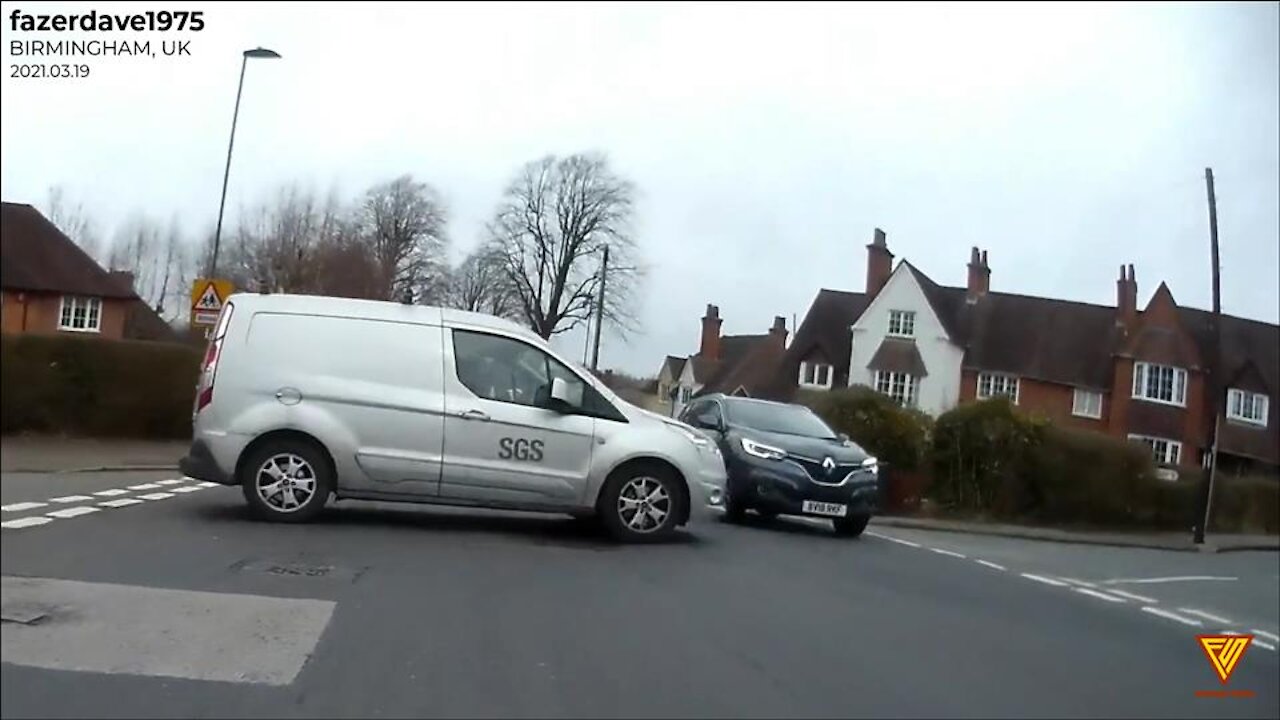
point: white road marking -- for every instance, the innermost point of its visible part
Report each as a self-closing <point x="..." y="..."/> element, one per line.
<point x="1180" y="578"/>
<point x="71" y="499"/>
<point x="990" y="564"/>
<point x="19" y="507"/>
<point x="170" y="482"/>
<point x="1261" y="644"/>
<point x="25" y="522"/>
<point x="72" y="512"/>
<point x="1205" y="615"/>
<point x="156" y="496"/>
<point x="1081" y="583"/>
<point x="1045" y="580"/>
<point x="1172" y="616"/>
<point x="208" y="484"/>
<point x="1270" y="636"/>
<point x="1099" y="595"/>
<point x="145" y="486"/>
<point x="1131" y="596"/>
<point x="122" y="502"/>
<point x="188" y="489"/>
<point x="940" y="551"/>
<point x="908" y="543"/>
<point x="111" y="493"/>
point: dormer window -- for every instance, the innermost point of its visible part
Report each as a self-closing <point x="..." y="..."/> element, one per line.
<point x="815" y="375"/>
<point x="1246" y="406"/>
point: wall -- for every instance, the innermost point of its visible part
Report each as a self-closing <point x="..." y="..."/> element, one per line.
<point x="41" y="315"/>
<point x="1051" y="400"/>
<point x="938" y="391"/>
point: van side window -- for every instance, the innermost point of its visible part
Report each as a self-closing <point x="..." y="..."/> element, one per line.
<point x="506" y="370"/>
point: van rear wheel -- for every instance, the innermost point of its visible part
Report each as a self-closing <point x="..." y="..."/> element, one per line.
<point x="286" y="480"/>
<point x="641" y="504"/>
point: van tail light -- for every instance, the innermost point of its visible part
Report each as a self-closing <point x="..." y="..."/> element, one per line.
<point x="209" y="367"/>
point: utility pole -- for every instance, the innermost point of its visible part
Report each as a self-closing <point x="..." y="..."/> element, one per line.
<point x="604" y="275"/>
<point x="1215" y="389"/>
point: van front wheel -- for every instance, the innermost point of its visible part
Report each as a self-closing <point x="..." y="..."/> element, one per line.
<point x="286" y="481"/>
<point x="641" y="504"/>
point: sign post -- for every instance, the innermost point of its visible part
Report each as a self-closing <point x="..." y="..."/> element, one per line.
<point x="207" y="297"/>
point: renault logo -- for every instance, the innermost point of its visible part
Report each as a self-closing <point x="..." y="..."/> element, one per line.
<point x="828" y="464"/>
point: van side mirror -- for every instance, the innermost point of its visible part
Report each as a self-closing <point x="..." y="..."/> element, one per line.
<point x="560" y="394"/>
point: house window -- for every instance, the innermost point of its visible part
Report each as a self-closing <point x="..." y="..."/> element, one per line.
<point x="80" y="314"/>
<point x="1160" y="383"/>
<point x="899" y="386"/>
<point x="1086" y="403"/>
<point x="685" y="394"/>
<point x="902" y="323"/>
<point x="815" y="375"/>
<point x="1164" y="452"/>
<point x="1250" y="407"/>
<point x="991" y="385"/>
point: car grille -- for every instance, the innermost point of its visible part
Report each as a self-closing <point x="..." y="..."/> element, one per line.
<point x="819" y="474"/>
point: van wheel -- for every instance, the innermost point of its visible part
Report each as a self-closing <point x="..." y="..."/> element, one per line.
<point x="286" y="481"/>
<point x="641" y="504"/>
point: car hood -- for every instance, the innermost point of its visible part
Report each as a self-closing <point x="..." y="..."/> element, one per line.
<point x="812" y="448"/>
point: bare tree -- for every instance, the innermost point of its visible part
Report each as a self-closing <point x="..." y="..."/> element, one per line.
<point x="73" y="220"/>
<point x="480" y="284"/>
<point x="402" y="225"/>
<point x="552" y="226"/>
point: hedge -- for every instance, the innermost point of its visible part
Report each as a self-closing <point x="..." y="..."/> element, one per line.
<point x="1246" y="503"/>
<point x="75" y="385"/>
<point x="897" y="436"/>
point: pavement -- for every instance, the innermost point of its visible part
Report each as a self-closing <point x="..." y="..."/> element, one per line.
<point x="1214" y="542"/>
<point x="146" y="594"/>
<point x="43" y="453"/>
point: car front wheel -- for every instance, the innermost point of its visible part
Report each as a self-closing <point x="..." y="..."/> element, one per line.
<point x="851" y="526"/>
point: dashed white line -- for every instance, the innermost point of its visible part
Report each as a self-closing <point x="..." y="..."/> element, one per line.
<point x="1131" y="596"/>
<point x="19" y="507"/>
<point x="111" y="493"/>
<point x="1270" y="636"/>
<point x="188" y="489"/>
<point x="940" y="551"/>
<point x="1179" y="578"/>
<point x="122" y="502"/>
<point x="25" y="522"/>
<point x="1205" y="615"/>
<point x="156" y="496"/>
<point x="1171" y="616"/>
<point x="145" y="486"/>
<point x="991" y="564"/>
<point x="72" y="512"/>
<point x="71" y="499"/>
<point x="214" y="484"/>
<point x="169" y="482"/>
<point x="1099" y="595"/>
<point x="1081" y="583"/>
<point x="908" y="543"/>
<point x="1261" y="644"/>
<point x="1045" y="580"/>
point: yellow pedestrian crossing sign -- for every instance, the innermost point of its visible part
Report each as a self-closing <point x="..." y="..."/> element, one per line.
<point x="207" y="296"/>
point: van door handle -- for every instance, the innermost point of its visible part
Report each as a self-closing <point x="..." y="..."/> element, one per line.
<point x="474" y="415"/>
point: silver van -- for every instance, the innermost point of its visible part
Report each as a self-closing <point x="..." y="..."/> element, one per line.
<point x="301" y="396"/>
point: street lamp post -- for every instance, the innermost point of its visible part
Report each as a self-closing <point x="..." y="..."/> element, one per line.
<point x="258" y="52"/>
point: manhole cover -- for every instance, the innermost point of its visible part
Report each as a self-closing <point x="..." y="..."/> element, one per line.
<point x="294" y="569"/>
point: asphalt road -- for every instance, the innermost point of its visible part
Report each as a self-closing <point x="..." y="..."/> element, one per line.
<point x="183" y="607"/>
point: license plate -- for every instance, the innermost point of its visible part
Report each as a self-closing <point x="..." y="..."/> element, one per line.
<point x="814" y="507"/>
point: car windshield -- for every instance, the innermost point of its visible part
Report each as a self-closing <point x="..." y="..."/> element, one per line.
<point x="778" y="418"/>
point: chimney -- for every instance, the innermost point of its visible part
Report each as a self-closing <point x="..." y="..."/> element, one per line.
<point x="778" y="333"/>
<point x="1126" y="297"/>
<point x="123" y="278"/>
<point x="879" y="263"/>
<point x="979" y="276"/>
<point x="709" y="348"/>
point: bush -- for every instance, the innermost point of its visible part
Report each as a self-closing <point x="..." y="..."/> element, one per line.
<point x="981" y="457"/>
<point x="897" y="436"/>
<point x="1246" y="504"/>
<point x="89" y="386"/>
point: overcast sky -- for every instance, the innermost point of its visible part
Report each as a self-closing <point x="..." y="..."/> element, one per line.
<point x="767" y="142"/>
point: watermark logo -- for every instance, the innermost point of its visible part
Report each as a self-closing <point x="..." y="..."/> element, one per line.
<point x="1224" y="653"/>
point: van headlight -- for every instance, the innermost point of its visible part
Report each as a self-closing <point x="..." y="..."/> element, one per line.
<point x="760" y="450"/>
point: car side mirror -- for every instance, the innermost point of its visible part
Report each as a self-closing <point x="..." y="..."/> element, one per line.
<point x="560" y="394"/>
<point x="707" y="421"/>
<point x="843" y="437"/>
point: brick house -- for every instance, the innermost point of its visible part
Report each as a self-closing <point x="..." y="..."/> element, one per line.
<point x="49" y="285"/>
<point x="1136" y="374"/>
<point x="732" y="364"/>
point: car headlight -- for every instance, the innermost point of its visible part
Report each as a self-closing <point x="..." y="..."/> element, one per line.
<point x="873" y="465"/>
<point x="760" y="450"/>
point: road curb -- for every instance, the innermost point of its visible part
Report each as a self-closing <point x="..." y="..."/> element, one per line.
<point x="1047" y="535"/>
<point x="100" y="468"/>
